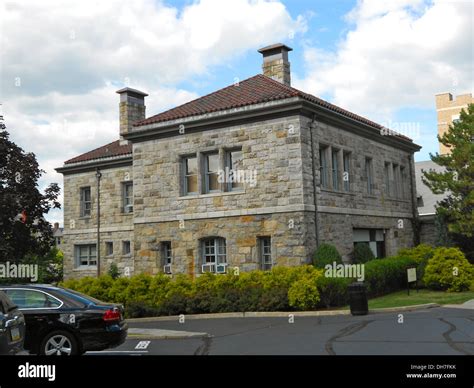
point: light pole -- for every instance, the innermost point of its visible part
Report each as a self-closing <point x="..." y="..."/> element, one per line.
<point x="98" y="175"/>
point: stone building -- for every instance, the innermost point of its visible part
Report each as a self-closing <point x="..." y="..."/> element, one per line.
<point x="254" y="175"/>
<point x="448" y="110"/>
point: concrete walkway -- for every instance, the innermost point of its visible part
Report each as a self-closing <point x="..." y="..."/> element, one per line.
<point x="466" y="305"/>
<point x="139" y="333"/>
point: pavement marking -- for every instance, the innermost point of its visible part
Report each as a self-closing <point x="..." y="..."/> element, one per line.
<point x="143" y="345"/>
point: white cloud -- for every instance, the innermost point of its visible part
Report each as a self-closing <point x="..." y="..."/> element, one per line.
<point x="397" y="54"/>
<point x="63" y="61"/>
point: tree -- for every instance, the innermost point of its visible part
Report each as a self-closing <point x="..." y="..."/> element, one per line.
<point x="24" y="232"/>
<point x="456" y="181"/>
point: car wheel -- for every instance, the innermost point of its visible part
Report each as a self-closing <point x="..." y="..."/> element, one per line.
<point x="59" y="343"/>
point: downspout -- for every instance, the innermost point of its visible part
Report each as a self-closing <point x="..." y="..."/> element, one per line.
<point x="316" y="223"/>
<point x="416" y="221"/>
<point x="97" y="250"/>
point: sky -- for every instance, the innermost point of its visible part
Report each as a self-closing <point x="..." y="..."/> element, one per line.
<point x="62" y="61"/>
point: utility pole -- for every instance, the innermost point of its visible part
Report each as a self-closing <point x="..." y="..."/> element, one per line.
<point x="98" y="175"/>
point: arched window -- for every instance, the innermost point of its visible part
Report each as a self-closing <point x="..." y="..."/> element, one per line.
<point x="213" y="255"/>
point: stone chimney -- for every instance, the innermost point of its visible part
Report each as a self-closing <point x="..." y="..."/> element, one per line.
<point x="275" y="62"/>
<point x="132" y="109"/>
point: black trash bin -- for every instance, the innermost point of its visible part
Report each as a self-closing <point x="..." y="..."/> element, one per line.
<point x="358" y="298"/>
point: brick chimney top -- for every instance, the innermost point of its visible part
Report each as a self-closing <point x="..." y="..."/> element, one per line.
<point x="275" y="62"/>
<point x="131" y="108"/>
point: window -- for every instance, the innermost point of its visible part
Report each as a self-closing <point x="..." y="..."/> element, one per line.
<point x="403" y="190"/>
<point x="211" y="171"/>
<point x="335" y="169"/>
<point x="109" y="248"/>
<point x="32" y="299"/>
<point x="86" y="255"/>
<point x="374" y="238"/>
<point x="323" y="166"/>
<point x="126" y="248"/>
<point x="346" y="161"/>
<point x="86" y="203"/>
<point x="190" y="169"/>
<point x="396" y="181"/>
<point x="368" y="174"/>
<point x="127" y="195"/>
<point x="214" y="255"/>
<point x="265" y="246"/>
<point x="387" y="179"/>
<point x="234" y="163"/>
<point x="166" y="256"/>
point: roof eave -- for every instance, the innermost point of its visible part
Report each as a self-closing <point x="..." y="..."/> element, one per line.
<point x="93" y="164"/>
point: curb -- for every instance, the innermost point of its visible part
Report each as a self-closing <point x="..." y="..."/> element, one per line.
<point x="280" y="314"/>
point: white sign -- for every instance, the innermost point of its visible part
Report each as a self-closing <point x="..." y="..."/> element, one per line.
<point x="411" y="272"/>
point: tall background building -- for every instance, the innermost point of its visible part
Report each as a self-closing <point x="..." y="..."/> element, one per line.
<point x="448" y="110"/>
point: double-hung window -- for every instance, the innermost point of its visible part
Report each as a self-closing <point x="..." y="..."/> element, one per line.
<point x="86" y="202"/>
<point x="190" y="168"/>
<point x="211" y="172"/>
<point x="214" y="255"/>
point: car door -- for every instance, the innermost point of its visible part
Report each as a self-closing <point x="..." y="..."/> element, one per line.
<point x="12" y="327"/>
<point x="39" y="308"/>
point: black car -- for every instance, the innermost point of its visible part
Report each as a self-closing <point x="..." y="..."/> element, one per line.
<point x="12" y="326"/>
<point x="65" y="322"/>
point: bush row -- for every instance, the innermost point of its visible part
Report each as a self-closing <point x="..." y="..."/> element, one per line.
<point x="281" y="289"/>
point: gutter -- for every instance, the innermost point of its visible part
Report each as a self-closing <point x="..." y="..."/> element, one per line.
<point x="92" y="165"/>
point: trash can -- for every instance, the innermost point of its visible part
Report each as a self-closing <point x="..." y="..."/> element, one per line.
<point x="358" y="299"/>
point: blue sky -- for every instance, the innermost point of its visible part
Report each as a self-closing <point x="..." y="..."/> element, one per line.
<point x="384" y="60"/>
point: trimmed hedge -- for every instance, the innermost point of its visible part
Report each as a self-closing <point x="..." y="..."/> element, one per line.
<point x="362" y="253"/>
<point x="326" y="254"/>
<point x="281" y="289"/>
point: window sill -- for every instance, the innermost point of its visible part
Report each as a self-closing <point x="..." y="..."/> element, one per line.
<point x="210" y="195"/>
<point x="86" y="268"/>
<point x="396" y="199"/>
<point x="337" y="191"/>
<point x="372" y="196"/>
<point x="84" y="217"/>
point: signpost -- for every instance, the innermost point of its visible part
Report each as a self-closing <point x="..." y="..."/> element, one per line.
<point x="411" y="278"/>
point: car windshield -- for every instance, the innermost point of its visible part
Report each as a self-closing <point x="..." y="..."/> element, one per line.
<point x="86" y="299"/>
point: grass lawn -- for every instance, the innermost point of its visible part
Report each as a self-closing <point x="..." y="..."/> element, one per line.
<point x="401" y="298"/>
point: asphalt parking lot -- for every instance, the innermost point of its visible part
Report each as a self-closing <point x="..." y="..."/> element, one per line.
<point x="435" y="331"/>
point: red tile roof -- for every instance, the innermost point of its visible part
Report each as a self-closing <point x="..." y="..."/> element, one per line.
<point x="254" y="90"/>
<point x="109" y="150"/>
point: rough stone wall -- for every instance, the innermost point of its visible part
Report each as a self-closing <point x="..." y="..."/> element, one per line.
<point x="340" y="211"/>
<point x="116" y="226"/>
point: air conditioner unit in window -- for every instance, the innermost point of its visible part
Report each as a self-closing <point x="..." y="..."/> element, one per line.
<point x="221" y="268"/>
<point x="209" y="267"/>
<point x="128" y="209"/>
<point x="167" y="269"/>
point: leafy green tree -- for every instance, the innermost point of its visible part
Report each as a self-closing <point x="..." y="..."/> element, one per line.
<point x="457" y="179"/>
<point x="24" y="232"/>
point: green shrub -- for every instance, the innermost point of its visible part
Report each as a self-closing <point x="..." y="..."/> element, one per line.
<point x="449" y="270"/>
<point x="386" y="275"/>
<point x="303" y="293"/>
<point x="326" y="254"/>
<point x="333" y="291"/>
<point x="362" y="253"/>
<point x="113" y="271"/>
<point x="421" y="254"/>
<point x="140" y="310"/>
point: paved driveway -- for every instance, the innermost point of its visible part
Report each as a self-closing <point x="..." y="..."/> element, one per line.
<point x="436" y="331"/>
